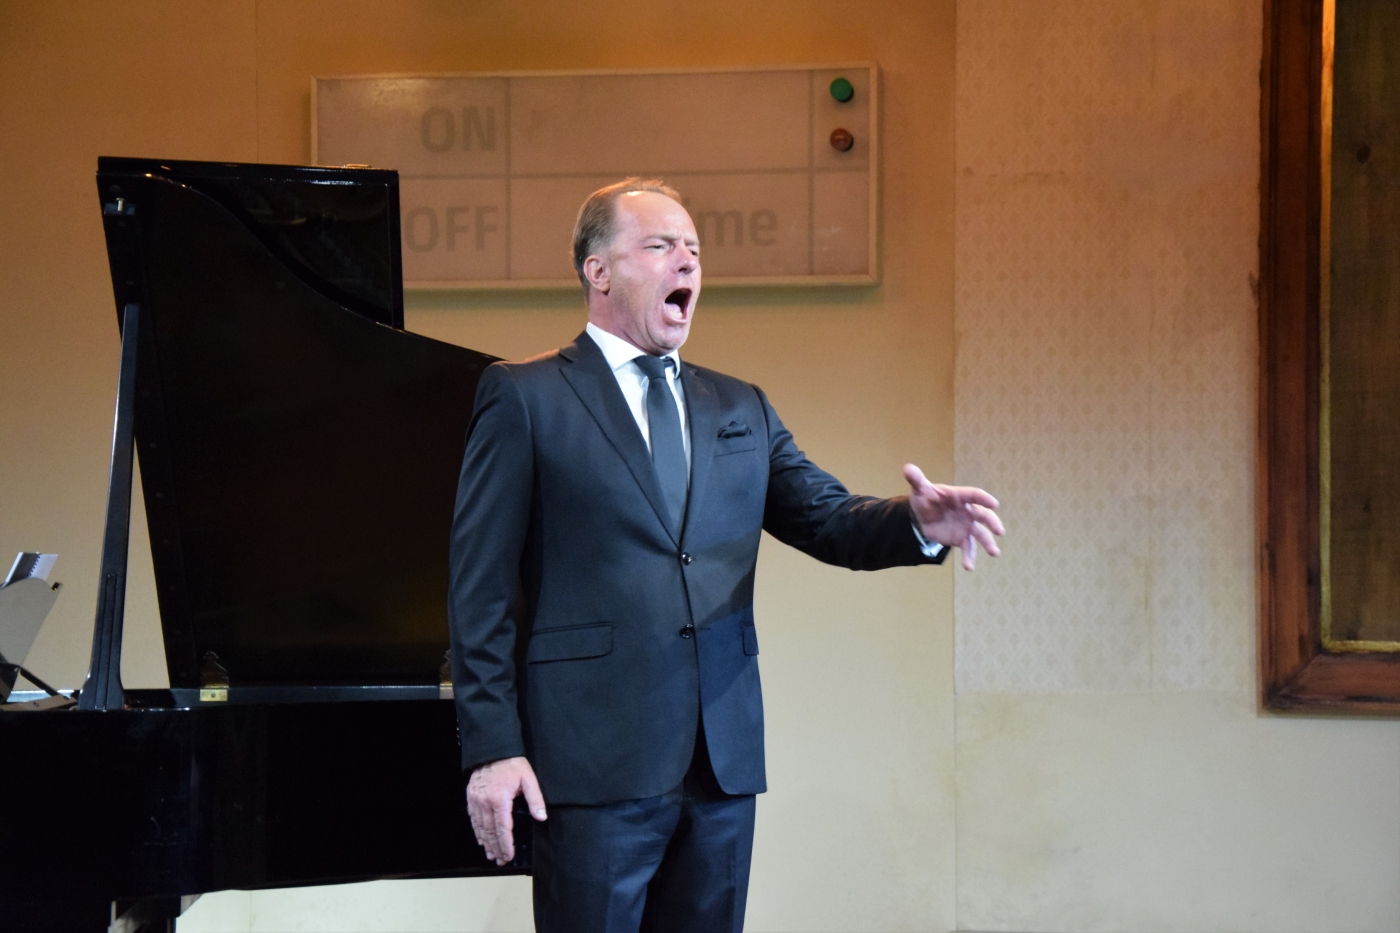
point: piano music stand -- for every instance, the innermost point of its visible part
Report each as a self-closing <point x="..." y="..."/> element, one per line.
<point x="24" y="604"/>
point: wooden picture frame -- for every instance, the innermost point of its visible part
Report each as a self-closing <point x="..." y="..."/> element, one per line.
<point x="1295" y="672"/>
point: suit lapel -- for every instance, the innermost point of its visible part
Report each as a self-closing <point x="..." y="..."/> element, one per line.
<point x="702" y="404"/>
<point x="593" y="381"/>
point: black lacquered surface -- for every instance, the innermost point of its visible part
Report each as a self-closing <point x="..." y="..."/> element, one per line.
<point x="299" y="457"/>
<point x="336" y="229"/>
<point x="164" y="802"/>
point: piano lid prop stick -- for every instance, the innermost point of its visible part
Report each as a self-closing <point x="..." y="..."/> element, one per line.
<point x="103" y="688"/>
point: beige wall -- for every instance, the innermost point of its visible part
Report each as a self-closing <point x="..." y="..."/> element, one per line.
<point x="1097" y="764"/>
<point x="1112" y="771"/>
<point x="858" y="834"/>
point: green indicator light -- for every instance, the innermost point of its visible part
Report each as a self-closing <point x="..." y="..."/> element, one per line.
<point x="842" y="90"/>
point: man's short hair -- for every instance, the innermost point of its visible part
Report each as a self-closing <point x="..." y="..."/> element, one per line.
<point x="597" y="218"/>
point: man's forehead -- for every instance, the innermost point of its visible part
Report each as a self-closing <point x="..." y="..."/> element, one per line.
<point x="654" y="214"/>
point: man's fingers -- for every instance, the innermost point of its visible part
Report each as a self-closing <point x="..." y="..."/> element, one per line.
<point x="491" y="791"/>
<point x="915" y="476"/>
<point x="987" y="517"/>
<point x="483" y="814"/>
<point x="505" y="841"/>
<point x="484" y="824"/>
<point x="973" y="496"/>
<point x="921" y="487"/>
<point x="977" y="502"/>
<point x="984" y="538"/>
<point x="474" y="814"/>
<point x="533" y="798"/>
<point x="978" y="534"/>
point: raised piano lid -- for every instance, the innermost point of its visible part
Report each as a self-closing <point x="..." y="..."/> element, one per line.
<point x="299" y="451"/>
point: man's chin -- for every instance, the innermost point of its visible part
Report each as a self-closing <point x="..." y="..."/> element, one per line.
<point x="673" y="340"/>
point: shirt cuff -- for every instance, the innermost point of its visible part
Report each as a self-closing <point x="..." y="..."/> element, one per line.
<point x="931" y="549"/>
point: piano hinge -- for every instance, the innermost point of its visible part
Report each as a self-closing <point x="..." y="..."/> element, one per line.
<point x="213" y="680"/>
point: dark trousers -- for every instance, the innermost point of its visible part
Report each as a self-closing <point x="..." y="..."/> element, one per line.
<point x="677" y="863"/>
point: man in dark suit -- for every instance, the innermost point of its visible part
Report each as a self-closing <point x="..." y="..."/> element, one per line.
<point x="603" y="551"/>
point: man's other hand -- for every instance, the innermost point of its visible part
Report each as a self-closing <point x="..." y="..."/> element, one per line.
<point x="954" y="516"/>
<point x="491" y="791"/>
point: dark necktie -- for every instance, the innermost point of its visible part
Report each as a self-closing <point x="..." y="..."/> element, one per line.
<point x="667" y="446"/>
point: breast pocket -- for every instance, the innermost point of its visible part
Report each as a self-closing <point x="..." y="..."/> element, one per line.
<point x="733" y="445"/>
<point x="565" y="644"/>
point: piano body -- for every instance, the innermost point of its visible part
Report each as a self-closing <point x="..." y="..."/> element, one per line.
<point x="299" y="455"/>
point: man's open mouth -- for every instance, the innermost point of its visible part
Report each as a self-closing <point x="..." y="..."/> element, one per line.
<point x="678" y="302"/>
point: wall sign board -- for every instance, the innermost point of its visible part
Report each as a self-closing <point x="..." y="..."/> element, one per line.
<point x="493" y="167"/>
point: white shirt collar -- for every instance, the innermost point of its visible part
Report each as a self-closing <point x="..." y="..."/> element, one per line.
<point x="619" y="352"/>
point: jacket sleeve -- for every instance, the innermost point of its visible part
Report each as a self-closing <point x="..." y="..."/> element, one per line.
<point x="489" y="526"/>
<point x="809" y="509"/>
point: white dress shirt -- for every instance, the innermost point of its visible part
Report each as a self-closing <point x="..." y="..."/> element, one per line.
<point x="633" y="382"/>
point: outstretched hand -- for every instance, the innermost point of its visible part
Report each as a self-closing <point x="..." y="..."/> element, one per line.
<point x="954" y="516"/>
<point x="491" y="792"/>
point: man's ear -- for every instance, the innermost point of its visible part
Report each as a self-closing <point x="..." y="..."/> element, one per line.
<point x="595" y="270"/>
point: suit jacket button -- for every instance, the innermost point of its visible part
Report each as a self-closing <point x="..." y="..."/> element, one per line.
<point x="686" y="559"/>
<point x="688" y="631"/>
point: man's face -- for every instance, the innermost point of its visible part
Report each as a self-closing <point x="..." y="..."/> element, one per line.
<point x="646" y="282"/>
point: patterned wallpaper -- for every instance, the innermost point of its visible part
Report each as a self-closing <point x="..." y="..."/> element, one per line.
<point x="1107" y="217"/>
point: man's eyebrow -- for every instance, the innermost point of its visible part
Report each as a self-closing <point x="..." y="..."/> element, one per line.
<point x="673" y="237"/>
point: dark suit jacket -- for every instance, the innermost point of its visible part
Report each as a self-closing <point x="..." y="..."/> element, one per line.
<point x="587" y="633"/>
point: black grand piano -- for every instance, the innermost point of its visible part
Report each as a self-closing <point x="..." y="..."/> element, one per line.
<point x="299" y="454"/>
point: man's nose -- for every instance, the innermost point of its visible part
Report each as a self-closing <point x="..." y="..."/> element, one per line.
<point x="687" y="261"/>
